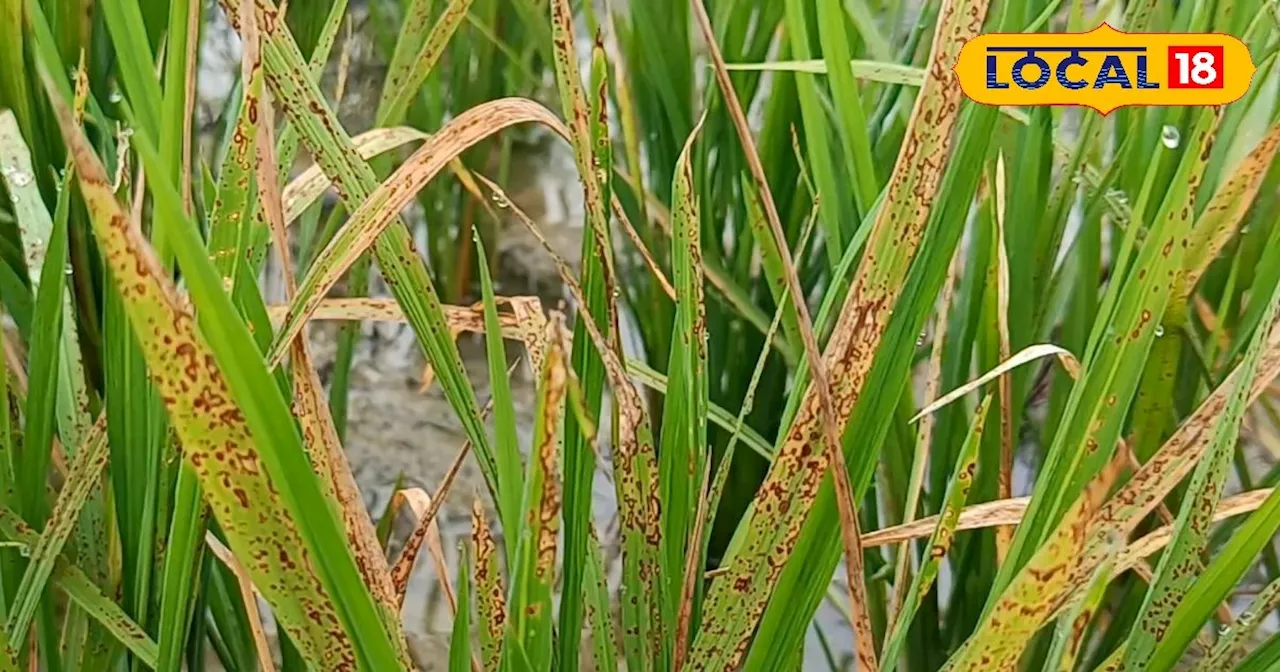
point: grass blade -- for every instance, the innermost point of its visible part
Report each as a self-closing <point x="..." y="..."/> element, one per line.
<point x="491" y="606"/>
<point x="1233" y="646"/>
<point x="684" y="411"/>
<point x="534" y="572"/>
<point x="460" y="640"/>
<point x="71" y="580"/>
<point x="792" y="482"/>
<point x="942" y="536"/>
<point x="86" y="473"/>
<point x="506" y="443"/>
<point x="1061" y="566"/>
<point x="1206" y="591"/>
<point x="190" y="368"/>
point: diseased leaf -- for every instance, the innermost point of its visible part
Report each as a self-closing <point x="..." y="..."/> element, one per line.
<point x="736" y="601"/>
<point x="223" y="454"/>
<point x="1064" y="564"/>
<point x="535" y="569"/>
<point x="942" y="536"/>
<point x="490" y="595"/>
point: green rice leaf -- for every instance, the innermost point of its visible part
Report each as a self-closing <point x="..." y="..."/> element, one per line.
<point x="874" y="71"/>
<point x="506" y="443"/>
<point x="301" y="564"/>
<point x="684" y="413"/>
<point x="941" y="538"/>
<point x="736" y="601"/>
<point x="460" y="640"/>
<point x="1233" y="645"/>
<point x="71" y="580"/>
<point x="1196" y="598"/>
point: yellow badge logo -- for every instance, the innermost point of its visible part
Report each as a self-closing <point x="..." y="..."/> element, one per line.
<point x="1104" y="69"/>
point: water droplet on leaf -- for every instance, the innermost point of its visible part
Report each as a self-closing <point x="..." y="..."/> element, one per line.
<point x="115" y="96"/>
<point x="1159" y="330"/>
<point x="20" y="178"/>
<point x="1170" y="136"/>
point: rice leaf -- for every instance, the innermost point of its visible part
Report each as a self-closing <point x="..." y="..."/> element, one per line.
<point x="848" y="103"/>
<point x="403" y="82"/>
<point x="295" y="578"/>
<point x="834" y="214"/>
<point x="1180" y="565"/>
<point x="1233" y="645"/>
<point x="309" y="185"/>
<point x="355" y="180"/>
<point x="1073" y="624"/>
<point x="588" y="133"/>
<point x="942" y="536"/>
<point x="1060" y="567"/>
<point x="599" y="605"/>
<point x="684" y="427"/>
<point x="460" y="640"/>
<point x="491" y="606"/>
<point x="635" y="477"/>
<point x="1201" y="594"/>
<point x="86" y="473"/>
<point x="736" y="602"/>
<point x="534" y="572"/>
<point x="1113" y="365"/>
<point x="874" y="71"/>
<point x="71" y="580"/>
<point x="1220" y="219"/>
<point x="506" y="443"/>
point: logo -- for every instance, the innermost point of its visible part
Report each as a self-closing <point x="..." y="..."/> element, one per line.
<point x="1104" y="69"/>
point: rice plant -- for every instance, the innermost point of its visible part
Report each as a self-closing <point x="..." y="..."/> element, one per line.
<point x="995" y="385"/>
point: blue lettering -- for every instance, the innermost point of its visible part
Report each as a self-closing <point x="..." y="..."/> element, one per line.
<point x="1022" y="63"/>
<point x="992" y="81"/>
<point x="1142" y="75"/>
<point x="1074" y="59"/>
<point x="1112" y="73"/>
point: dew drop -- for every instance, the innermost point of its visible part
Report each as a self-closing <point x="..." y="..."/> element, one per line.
<point x="13" y="198"/>
<point x="1224" y="630"/>
<point x="67" y="270"/>
<point x="920" y="339"/>
<point x="1170" y="137"/>
<point x="1159" y="330"/>
<point x="500" y="200"/>
<point x="24" y="550"/>
<point x="20" y="178"/>
<point x="115" y="96"/>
